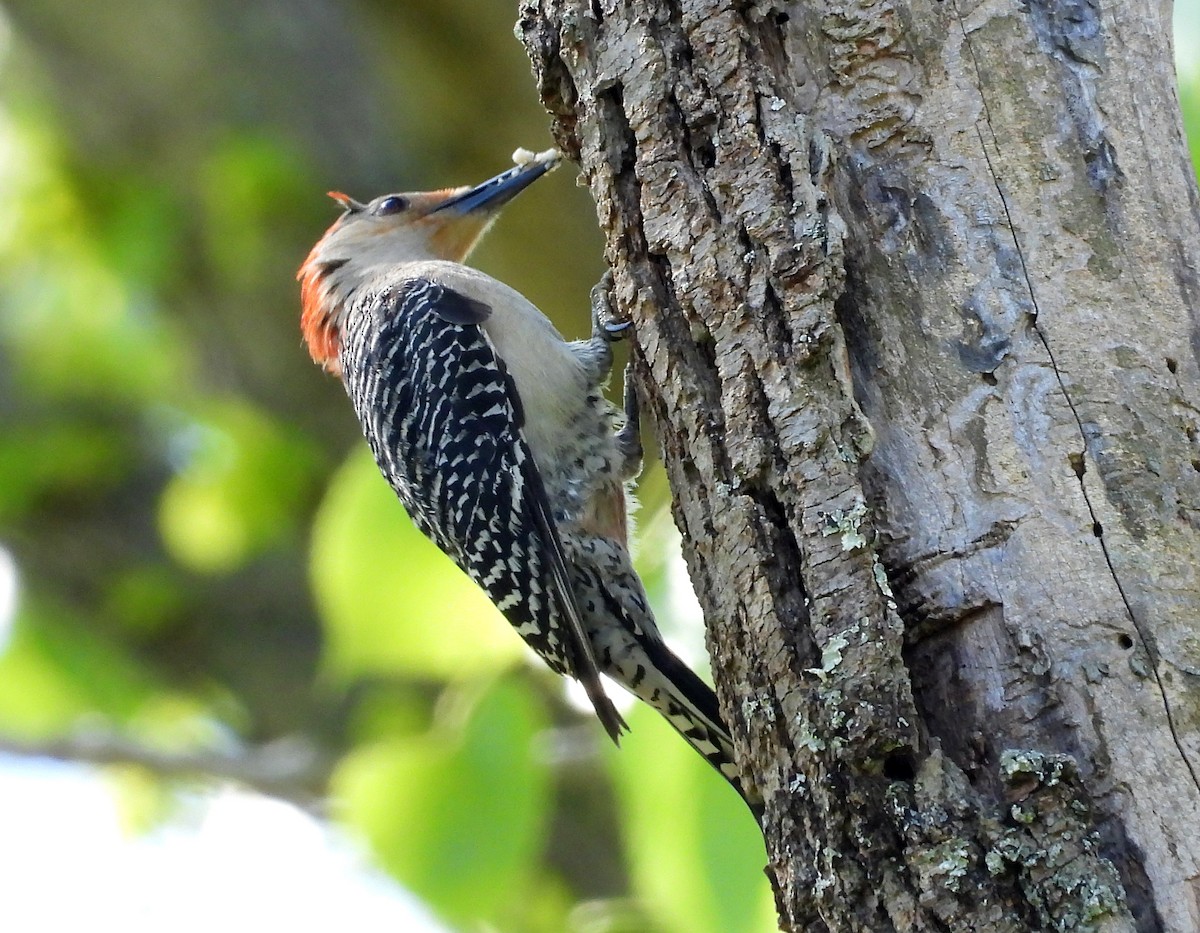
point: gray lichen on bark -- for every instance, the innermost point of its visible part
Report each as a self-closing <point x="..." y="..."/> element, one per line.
<point x="920" y="363"/>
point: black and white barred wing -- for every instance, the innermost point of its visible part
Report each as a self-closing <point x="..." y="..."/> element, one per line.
<point x="443" y="419"/>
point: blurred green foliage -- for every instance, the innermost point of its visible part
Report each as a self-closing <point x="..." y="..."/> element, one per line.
<point x="208" y="559"/>
<point x="466" y="833"/>
<point x="391" y="601"/>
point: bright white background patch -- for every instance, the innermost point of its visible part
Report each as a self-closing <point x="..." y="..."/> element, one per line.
<point x="248" y="863"/>
<point x="8" y="595"/>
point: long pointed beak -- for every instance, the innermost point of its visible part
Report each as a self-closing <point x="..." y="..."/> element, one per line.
<point x="498" y="191"/>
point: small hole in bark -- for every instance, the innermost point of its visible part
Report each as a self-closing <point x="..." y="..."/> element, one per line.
<point x="1077" y="464"/>
<point x="1196" y="465"/>
<point x="900" y="765"/>
<point x="1171" y="365"/>
<point x="781" y="18"/>
<point x="1097" y="530"/>
<point x="1125" y="641"/>
<point x="988" y="378"/>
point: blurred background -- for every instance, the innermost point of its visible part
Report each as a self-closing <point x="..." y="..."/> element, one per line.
<point x="237" y="689"/>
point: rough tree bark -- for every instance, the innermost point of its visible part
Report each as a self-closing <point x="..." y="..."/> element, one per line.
<point x="914" y="289"/>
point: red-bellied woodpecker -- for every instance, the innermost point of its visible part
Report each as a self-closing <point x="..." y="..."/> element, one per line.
<point x="494" y="433"/>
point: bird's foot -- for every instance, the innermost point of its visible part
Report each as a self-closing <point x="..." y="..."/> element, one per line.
<point x="605" y="324"/>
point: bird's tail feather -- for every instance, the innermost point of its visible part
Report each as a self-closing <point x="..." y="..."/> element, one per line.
<point x="690" y="706"/>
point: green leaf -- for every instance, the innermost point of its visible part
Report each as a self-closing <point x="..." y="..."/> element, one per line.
<point x="54" y="673"/>
<point x="247" y="183"/>
<point x="695" y="851"/>
<point x="1189" y="105"/>
<point x="144" y="600"/>
<point x="243" y="477"/>
<point x="73" y="327"/>
<point x="68" y="457"/>
<point x="457" y="815"/>
<point x="390" y="600"/>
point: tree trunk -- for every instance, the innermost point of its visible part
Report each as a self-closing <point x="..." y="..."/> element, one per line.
<point x="913" y="287"/>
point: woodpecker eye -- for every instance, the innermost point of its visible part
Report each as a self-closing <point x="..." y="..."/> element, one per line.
<point x="393" y="204"/>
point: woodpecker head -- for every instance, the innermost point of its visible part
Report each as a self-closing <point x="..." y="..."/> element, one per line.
<point x="369" y="240"/>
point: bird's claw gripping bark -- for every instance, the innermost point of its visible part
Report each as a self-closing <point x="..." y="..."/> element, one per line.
<point x="604" y="319"/>
<point x="616" y="330"/>
<point x="629" y="438"/>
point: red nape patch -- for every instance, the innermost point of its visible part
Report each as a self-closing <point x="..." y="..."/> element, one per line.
<point x="316" y="323"/>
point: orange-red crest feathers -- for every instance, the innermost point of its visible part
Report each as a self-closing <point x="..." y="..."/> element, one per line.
<point x="346" y="201"/>
<point x="316" y="319"/>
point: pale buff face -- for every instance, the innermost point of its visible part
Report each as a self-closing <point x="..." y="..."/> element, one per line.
<point x="370" y="242"/>
<point x="366" y="242"/>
